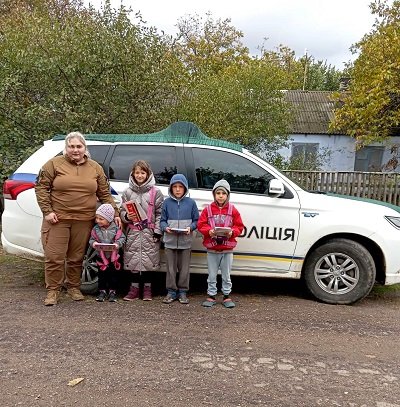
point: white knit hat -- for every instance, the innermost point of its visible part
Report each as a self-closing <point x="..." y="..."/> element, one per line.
<point x="106" y="211"/>
<point x="222" y="184"/>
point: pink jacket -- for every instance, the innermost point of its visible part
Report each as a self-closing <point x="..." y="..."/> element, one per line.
<point x="219" y="214"/>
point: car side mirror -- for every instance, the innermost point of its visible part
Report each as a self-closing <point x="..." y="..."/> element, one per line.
<point x="276" y="188"/>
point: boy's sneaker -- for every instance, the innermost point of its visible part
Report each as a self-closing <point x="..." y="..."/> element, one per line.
<point x="102" y="296"/>
<point x="147" y="293"/>
<point x="227" y="302"/>
<point x="183" y="299"/>
<point x="209" y="302"/>
<point x="168" y="299"/>
<point x="132" y="295"/>
<point x="112" y="297"/>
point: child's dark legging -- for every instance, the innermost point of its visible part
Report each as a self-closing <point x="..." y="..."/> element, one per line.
<point x="108" y="278"/>
<point x="140" y="277"/>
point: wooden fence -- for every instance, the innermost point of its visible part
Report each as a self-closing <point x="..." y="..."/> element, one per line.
<point x="375" y="185"/>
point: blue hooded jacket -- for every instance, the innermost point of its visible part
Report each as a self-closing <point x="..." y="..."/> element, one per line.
<point x="178" y="213"/>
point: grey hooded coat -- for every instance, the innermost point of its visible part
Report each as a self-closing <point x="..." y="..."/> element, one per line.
<point x="141" y="252"/>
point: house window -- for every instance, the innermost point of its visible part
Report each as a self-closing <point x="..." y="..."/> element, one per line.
<point x="304" y="153"/>
<point x="369" y="159"/>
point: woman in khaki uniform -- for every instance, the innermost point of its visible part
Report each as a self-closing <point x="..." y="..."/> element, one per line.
<point x="67" y="189"/>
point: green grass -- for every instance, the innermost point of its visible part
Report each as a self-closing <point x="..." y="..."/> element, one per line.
<point x="386" y="289"/>
<point x="16" y="271"/>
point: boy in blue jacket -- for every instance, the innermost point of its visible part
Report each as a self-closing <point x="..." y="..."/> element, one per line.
<point x="179" y="218"/>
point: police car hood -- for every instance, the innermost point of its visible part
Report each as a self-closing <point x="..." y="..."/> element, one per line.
<point x="321" y="202"/>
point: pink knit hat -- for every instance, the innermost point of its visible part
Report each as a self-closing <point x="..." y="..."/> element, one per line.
<point x="106" y="211"/>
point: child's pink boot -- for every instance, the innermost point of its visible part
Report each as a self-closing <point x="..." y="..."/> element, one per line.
<point x="133" y="294"/>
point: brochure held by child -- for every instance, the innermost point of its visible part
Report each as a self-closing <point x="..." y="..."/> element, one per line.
<point x="179" y="230"/>
<point x="222" y="231"/>
<point x="135" y="209"/>
<point x="105" y="247"/>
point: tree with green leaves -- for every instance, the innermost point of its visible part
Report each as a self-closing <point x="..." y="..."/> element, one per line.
<point x="305" y="72"/>
<point x="207" y="46"/>
<point x="370" y="109"/>
<point x="243" y="104"/>
<point x="67" y="67"/>
<point x="229" y="94"/>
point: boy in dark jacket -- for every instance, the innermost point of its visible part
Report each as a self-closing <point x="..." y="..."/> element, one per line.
<point x="179" y="218"/>
<point x="220" y="224"/>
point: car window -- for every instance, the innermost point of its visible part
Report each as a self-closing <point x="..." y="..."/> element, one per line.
<point x="98" y="153"/>
<point x="162" y="160"/>
<point x="242" y="174"/>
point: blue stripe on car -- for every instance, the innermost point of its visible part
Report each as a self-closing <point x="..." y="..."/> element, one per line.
<point x="21" y="176"/>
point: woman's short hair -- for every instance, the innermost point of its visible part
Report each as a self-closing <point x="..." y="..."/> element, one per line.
<point x="143" y="165"/>
<point x="80" y="137"/>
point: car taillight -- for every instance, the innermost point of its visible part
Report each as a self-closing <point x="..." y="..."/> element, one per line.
<point x="13" y="187"/>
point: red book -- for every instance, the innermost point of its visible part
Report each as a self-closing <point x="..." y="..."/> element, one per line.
<point x="136" y="210"/>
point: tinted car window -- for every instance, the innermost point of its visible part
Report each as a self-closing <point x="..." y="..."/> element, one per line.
<point x="98" y="153"/>
<point x="162" y="160"/>
<point x="242" y="174"/>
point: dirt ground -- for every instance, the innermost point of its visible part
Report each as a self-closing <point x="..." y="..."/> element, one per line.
<point x="278" y="347"/>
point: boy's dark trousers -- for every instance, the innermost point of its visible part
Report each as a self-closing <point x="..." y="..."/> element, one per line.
<point x="107" y="278"/>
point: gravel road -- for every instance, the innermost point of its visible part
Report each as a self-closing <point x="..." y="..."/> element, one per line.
<point x="278" y="347"/>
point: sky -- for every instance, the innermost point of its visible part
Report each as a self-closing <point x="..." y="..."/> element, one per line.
<point x="325" y="29"/>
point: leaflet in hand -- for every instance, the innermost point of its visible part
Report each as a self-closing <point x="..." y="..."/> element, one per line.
<point x="135" y="209"/>
<point x="179" y="230"/>
<point x="106" y="247"/>
<point x="222" y="231"/>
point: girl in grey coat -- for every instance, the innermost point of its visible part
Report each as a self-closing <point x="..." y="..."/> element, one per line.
<point x="142" y="247"/>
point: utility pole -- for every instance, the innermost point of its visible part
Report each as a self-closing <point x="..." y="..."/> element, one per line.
<point x="305" y="70"/>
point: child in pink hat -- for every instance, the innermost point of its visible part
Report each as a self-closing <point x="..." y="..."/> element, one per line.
<point x="106" y="238"/>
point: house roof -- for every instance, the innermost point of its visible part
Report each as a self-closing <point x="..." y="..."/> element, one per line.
<point x="312" y="111"/>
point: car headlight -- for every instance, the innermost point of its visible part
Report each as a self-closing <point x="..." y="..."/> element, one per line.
<point x="394" y="220"/>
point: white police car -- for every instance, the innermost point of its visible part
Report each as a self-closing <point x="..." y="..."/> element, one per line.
<point x="340" y="246"/>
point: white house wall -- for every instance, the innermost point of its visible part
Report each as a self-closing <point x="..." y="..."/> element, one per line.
<point x="341" y="150"/>
<point x="387" y="155"/>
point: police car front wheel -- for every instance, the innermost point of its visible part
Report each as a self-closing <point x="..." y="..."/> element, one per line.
<point x="340" y="271"/>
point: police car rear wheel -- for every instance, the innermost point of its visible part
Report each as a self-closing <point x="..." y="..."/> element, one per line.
<point x="340" y="271"/>
<point x="89" y="278"/>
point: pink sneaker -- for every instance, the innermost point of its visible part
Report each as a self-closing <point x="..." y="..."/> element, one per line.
<point x="132" y="295"/>
<point x="147" y="293"/>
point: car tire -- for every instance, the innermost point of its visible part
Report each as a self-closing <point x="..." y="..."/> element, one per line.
<point x="340" y="271"/>
<point x="89" y="278"/>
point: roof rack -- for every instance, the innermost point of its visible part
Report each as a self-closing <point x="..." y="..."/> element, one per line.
<point x="178" y="132"/>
